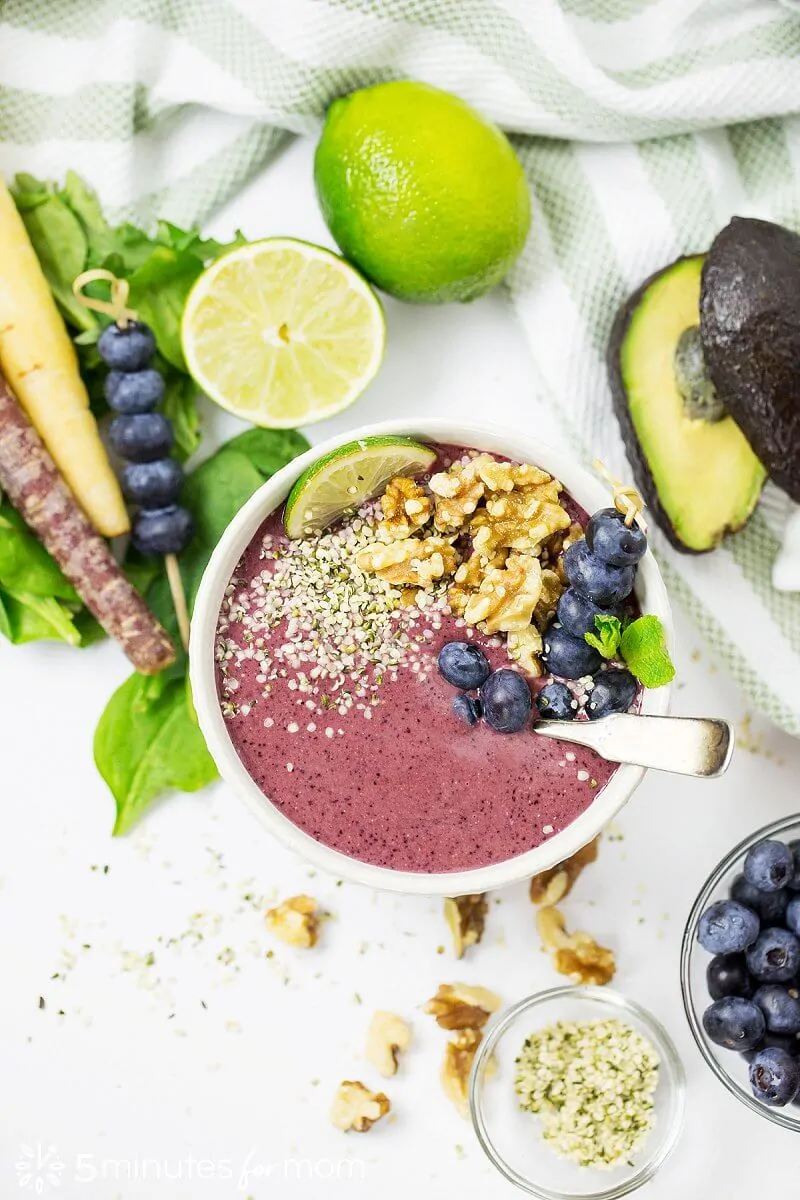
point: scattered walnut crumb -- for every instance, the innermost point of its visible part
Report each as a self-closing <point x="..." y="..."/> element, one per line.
<point x="356" y="1108"/>
<point x="462" y="1006"/>
<point x="295" y="921"/>
<point x="549" y="887"/>
<point x="576" y="955"/>
<point x="388" y="1035"/>
<point x="466" y="916"/>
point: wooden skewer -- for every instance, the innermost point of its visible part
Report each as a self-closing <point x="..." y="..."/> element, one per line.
<point x="178" y="597"/>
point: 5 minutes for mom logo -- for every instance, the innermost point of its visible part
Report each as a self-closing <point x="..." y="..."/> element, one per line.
<point x="38" y="1168"/>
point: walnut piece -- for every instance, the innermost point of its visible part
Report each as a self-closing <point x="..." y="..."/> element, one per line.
<point x="549" y="887"/>
<point x="413" y="562"/>
<point x="295" y="921"/>
<point x="457" y="493"/>
<point x="576" y="955"/>
<point x="406" y="507"/>
<point x="388" y="1035"/>
<point x="458" y="1058"/>
<point x="546" y="605"/>
<point x="466" y="916"/>
<point x="507" y="595"/>
<point x="524" y="646"/>
<point x="469" y="576"/>
<point x="462" y="1006"/>
<point x="519" y="520"/>
<point x="356" y="1108"/>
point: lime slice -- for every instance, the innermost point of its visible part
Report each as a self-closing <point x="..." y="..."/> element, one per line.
<point x="282" y="333"/>
<point x="341" y="481"/>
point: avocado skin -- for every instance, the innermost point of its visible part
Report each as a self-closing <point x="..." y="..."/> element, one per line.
<point x="636" y="456"/>
<point x="750" y="328"/>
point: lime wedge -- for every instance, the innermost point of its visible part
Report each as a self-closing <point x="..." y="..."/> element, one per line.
<point x="282" y="333"/>
<point x="339" y="482"/>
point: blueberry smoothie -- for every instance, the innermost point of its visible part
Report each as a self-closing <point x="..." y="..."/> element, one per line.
<point x="348" y="705"/>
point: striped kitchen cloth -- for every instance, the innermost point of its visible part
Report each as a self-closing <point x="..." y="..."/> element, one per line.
<point x="643" y="126"/>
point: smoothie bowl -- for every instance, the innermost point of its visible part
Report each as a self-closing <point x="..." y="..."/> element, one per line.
<point x="319" y="680"/>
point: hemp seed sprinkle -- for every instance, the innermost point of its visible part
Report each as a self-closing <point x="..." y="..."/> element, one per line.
<point x="592" y="1084"/>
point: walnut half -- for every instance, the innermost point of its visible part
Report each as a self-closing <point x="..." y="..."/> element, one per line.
<point x="466" y="916"/>
<point x="415" y="562"/>
<point x="356" y="1108"/>
<point x="295" y="921"/>
<point x="406" y="507"/>
<point x="458" y="1058"/>
<point x="387" y="1036"/>
<point x="462" y="1006"/>
<point x="549" y="887"/>
<point x="576" y="955"/>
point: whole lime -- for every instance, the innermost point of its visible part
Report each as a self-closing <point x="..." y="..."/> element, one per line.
<point x="421" y="193"/>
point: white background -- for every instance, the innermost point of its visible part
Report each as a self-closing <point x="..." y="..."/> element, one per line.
<point x="218" y="1052"/>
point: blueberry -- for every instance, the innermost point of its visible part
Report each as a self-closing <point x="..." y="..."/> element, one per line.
<point x="783" y="1041"/>
<point x="734" y="1023"/>
<point x="506" y="701"/>
<point x="153" y="484"/>
<point x="727" y="927"/>
<point x="596" y="580"/>
<point x="128" y="349"/>
<point x="568" y="656"/>
<point x="774" y="957"/>
<point x="134" y="391"/>
<point x="577" y="614"/>
<point x="608" y="537"/>
<point x="780" y="1006"/>
<point x="727" y="975"/>
<point x="794" y="882"/>
<point x="613" y="692"/>
<point x="556" y="702"/>
<point x="141" y="437"/>
<point x="463" y="665"/>
<point x="162" y="530"/>
<point x="774" y="1077"/>
<point x="792" y="916"/>
<point x="770" y="906"/>
<point x="467" y="709"/>
<point x="769" y="866"/>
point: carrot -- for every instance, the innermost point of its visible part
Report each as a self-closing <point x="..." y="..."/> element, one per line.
<point x="40" y="363"/>
<point x="31" y="481"/>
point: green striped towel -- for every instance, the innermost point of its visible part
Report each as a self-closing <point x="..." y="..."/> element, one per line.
<point x="643" y="126"/>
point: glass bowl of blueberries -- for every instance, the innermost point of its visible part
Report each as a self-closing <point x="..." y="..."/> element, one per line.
<point x="740" y="972"/>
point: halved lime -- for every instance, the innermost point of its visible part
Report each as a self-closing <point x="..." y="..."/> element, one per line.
<point x="282" y="333"/>
<point x="339" y="482"/>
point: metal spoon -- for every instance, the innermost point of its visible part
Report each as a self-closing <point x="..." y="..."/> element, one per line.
<point x="698" y="746"/>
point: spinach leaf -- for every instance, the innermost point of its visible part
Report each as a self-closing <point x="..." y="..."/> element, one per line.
<point x="180" y="407"/>
<point x="145" y="745"/>
<point x="32" y="618"/>
<point x="25" y="565"/>
<point x="159" y="288"/>
<point x="85" y="206"/>
<point x="61" y="247"/>
<point x="269" y="449"/>
<point x="5" y="620"/>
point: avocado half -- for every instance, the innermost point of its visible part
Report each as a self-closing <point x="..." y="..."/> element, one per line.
<point x="750" y="329"/>
<point x="699" y="477"/>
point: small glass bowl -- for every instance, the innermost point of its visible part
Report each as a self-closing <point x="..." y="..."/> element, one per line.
<point x="729" y="1067"/>
<point x="512" y="1138"/>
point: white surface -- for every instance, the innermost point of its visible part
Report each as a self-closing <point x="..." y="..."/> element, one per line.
<point x="137" y="1075"/>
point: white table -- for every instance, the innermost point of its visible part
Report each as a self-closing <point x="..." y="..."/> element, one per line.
<point x="187" y="1063"/>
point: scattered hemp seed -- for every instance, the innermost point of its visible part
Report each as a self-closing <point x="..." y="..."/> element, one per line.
<point x="592" y="1085"/>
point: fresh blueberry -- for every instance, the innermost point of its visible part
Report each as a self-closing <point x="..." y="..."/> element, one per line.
<point x="568" y="656"/>
<point x="556" y="702"/>
<point x="577" y="614"/>
<point x="463" y="665"/>
<point x="141" y="437"/>
<point x="774" y="1077"/>
<point x="734" y="1023"/>
<point x="613" y="692"/>
<point x="774" y="957"/>
<point x="152" y="484"/>
<point x="134" y="391"/>
<point x="769" y="866"/>
<point x="770" y="906"/>
<point x="792" y="916"/>
<point x="596" y="580"/>
<point x="780" y="1006"/>
<point x="506" y="701"/>
<point x="613" y="541"/>
<point x="162" y="530"/>
<point x="727" y="975"/>
<point x="128" y="349"/>
<point x="794" y="882"/>
<point x="727" y="927"/>
<point x="467" y="709"/>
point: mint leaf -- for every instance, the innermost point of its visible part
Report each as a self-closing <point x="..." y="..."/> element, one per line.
<point x="644" y="649"/>
<point x="607" y="637"/>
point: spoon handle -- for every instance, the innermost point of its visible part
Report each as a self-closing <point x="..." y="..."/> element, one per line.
<point x="698" y="746"/>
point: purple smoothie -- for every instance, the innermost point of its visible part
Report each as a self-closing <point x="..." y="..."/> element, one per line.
<point x="386" y="775"/>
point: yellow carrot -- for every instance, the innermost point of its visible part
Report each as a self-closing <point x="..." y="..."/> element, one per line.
<point x="39" y="361"/>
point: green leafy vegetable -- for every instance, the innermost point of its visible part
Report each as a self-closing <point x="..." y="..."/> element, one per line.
<point x="606" y="639"/>
<point x="30" y="618"/>
<point x="644" y="649"/>
<point x="146" y="745"/>
<point x="25" y="565"/>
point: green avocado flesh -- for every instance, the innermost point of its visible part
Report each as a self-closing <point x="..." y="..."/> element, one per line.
<point x="699" y="477"/>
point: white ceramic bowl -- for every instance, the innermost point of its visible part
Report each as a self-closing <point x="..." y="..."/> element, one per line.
<point x="585" y="488"/>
